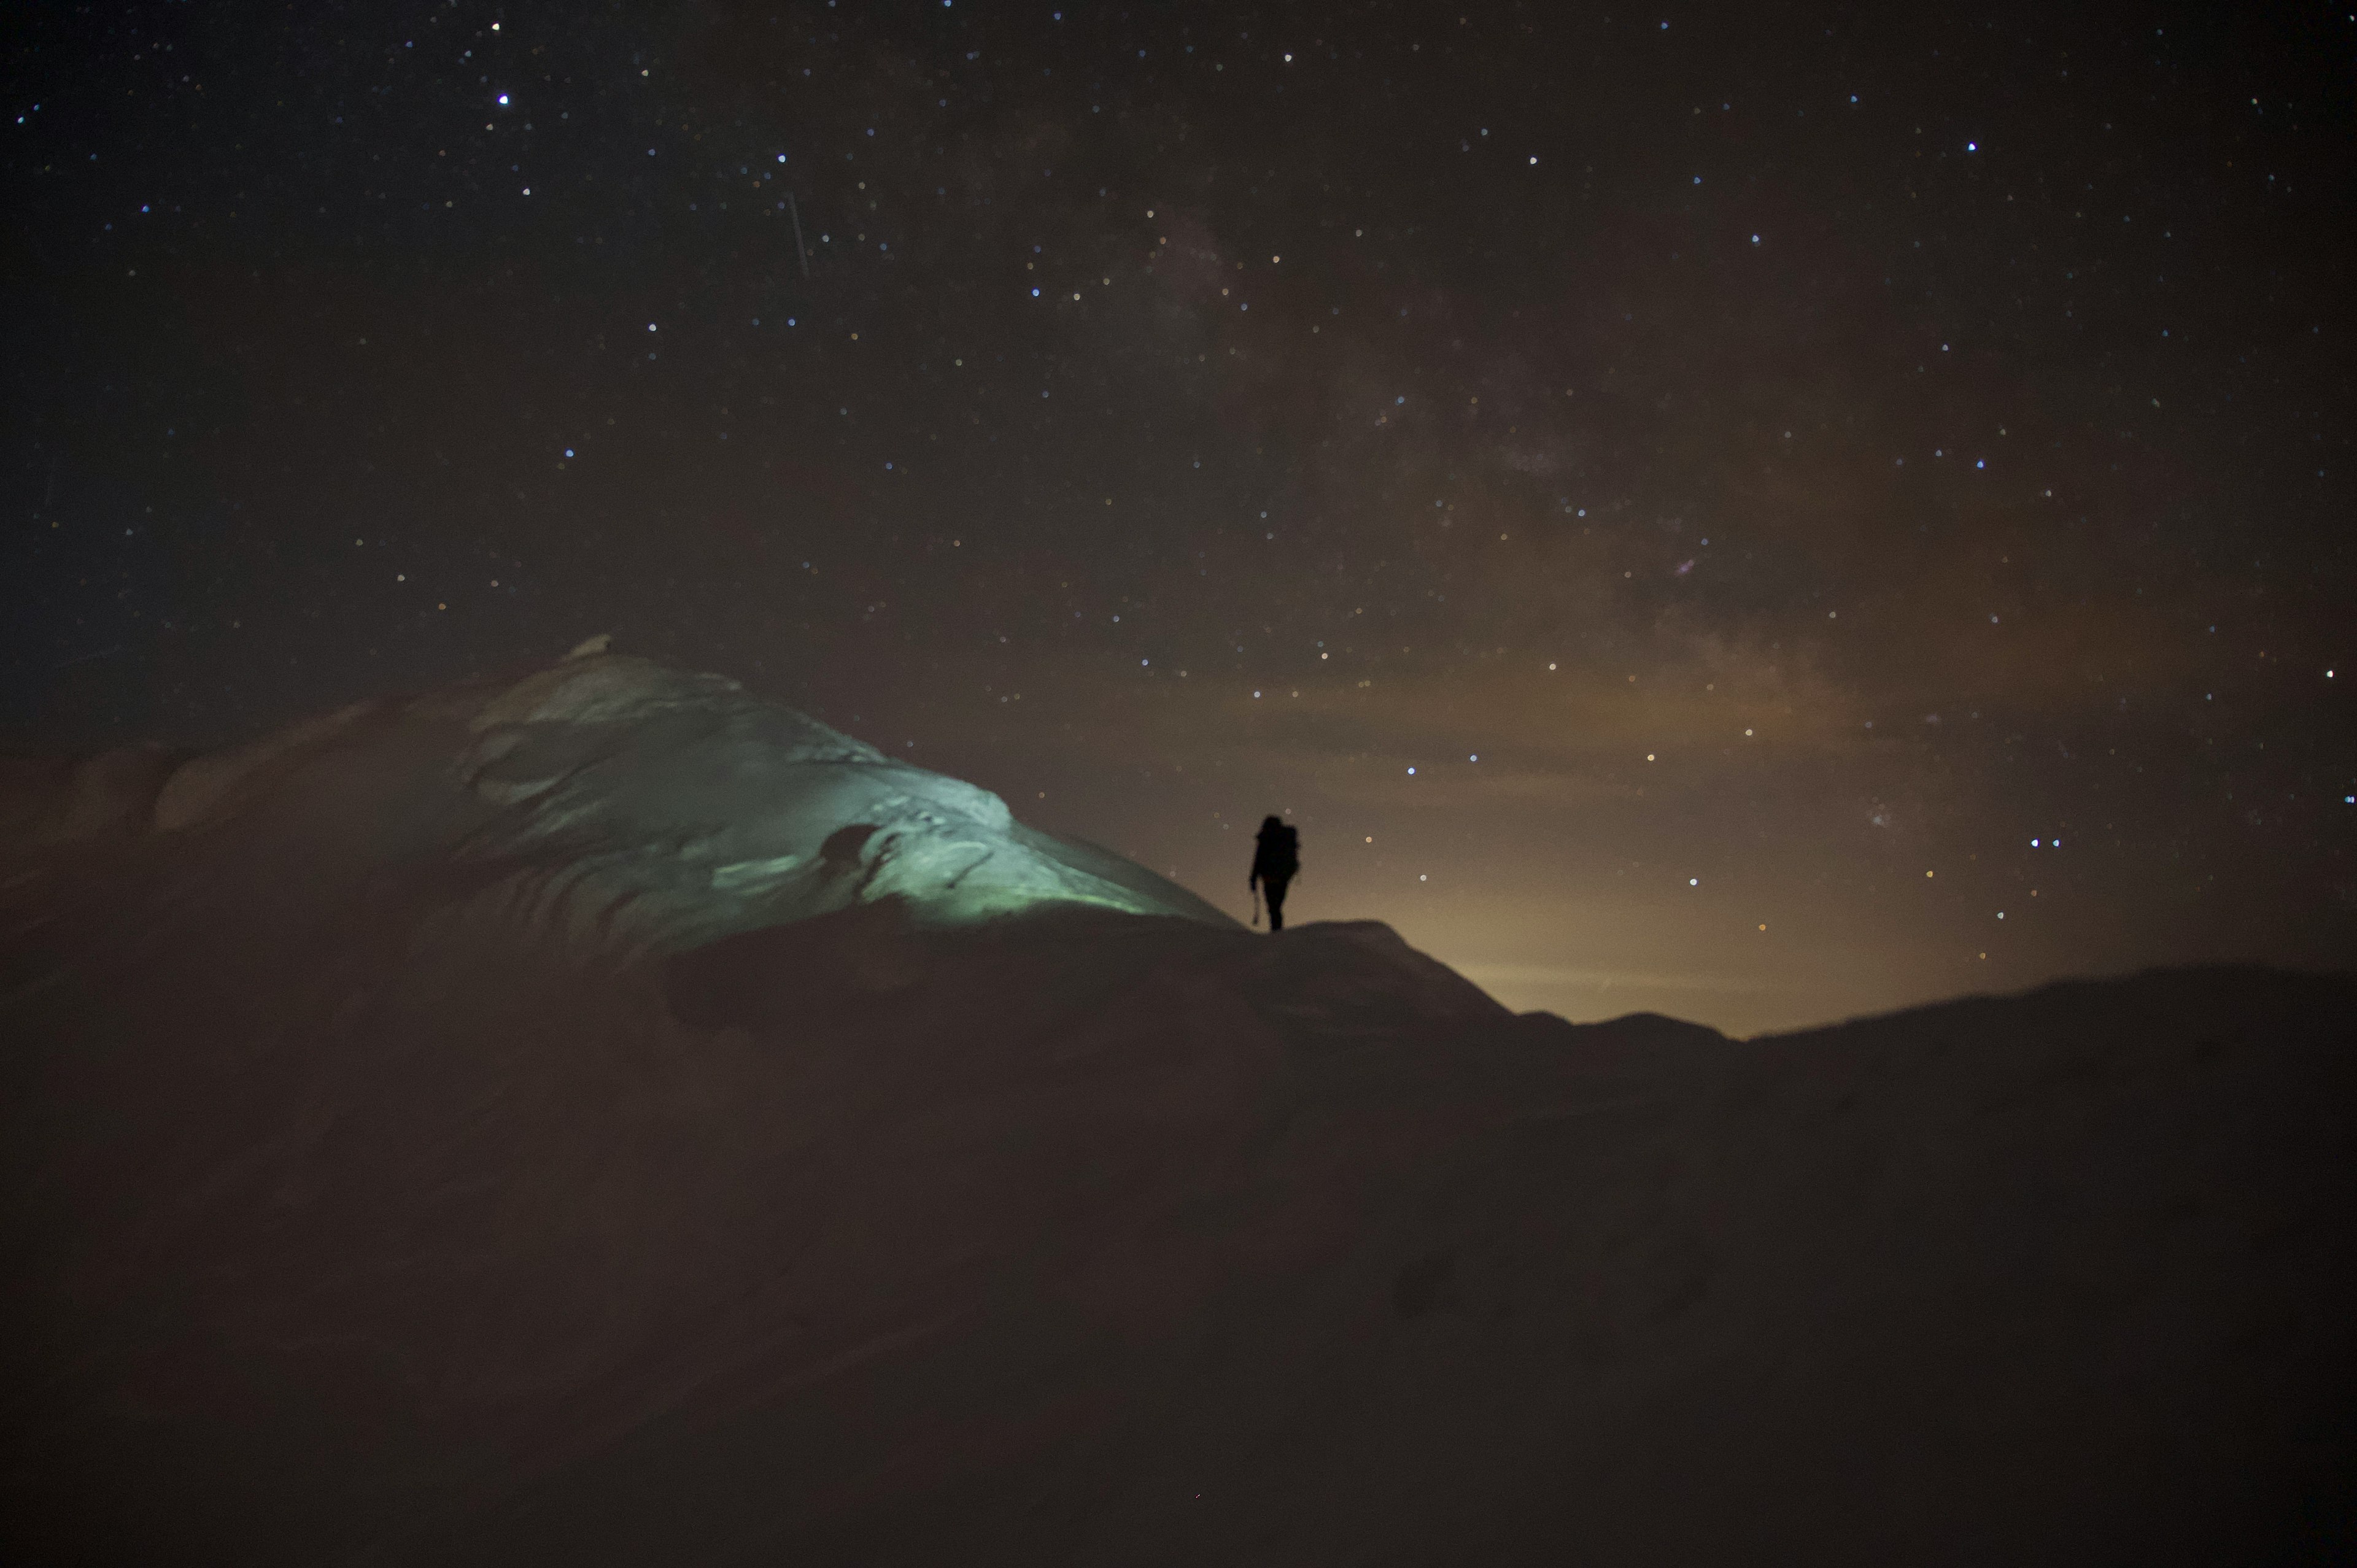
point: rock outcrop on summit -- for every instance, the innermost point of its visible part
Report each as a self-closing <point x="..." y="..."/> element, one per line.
<point x="605" y="1118"/>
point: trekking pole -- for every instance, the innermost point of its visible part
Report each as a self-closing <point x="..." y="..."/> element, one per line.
<point x="1256" y="903"/>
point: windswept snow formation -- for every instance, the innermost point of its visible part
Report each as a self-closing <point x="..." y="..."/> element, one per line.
<point x="611" y="791"/>
<point x="605" y="1119"/>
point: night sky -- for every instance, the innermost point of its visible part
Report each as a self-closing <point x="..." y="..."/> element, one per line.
<point x="1758" y="512"/>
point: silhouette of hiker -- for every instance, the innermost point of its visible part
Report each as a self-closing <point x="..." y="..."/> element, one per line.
<point x="1276" y="862"/>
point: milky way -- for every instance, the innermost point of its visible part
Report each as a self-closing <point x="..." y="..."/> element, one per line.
<point x="1759" y="516"/>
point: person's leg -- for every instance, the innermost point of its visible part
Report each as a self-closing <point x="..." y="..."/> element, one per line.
<point x="1276" y="886"/>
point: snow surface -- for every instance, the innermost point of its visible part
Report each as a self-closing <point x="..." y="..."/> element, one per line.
<point x="607" y="1118"/>
<point x="675" y="806"/>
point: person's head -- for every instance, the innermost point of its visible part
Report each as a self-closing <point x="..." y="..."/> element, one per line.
<point x="1270" y="824"/>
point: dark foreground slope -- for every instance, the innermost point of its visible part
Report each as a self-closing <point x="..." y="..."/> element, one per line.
<point x="388" y="1181"/>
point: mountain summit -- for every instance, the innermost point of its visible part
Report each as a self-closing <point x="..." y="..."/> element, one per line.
<point x="675" y="806"/>
<point x="605" y="1118"/>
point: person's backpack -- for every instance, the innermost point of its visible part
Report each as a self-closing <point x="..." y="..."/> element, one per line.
<point x="1285" y="849"/>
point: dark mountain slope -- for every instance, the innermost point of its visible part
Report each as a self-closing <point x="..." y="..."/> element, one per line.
<point x="400" y="1171"/>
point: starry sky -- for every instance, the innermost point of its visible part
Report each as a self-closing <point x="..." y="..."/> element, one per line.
<point x="1759" y="512"/>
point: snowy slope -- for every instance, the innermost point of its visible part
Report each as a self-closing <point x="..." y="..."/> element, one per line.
<point x="606" y="1119"/>
<point x="671" y="807"/>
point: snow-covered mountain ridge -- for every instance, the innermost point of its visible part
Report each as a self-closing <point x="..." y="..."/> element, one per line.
<point x="497" y="1127"/>
<point x="674" y="803"/>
